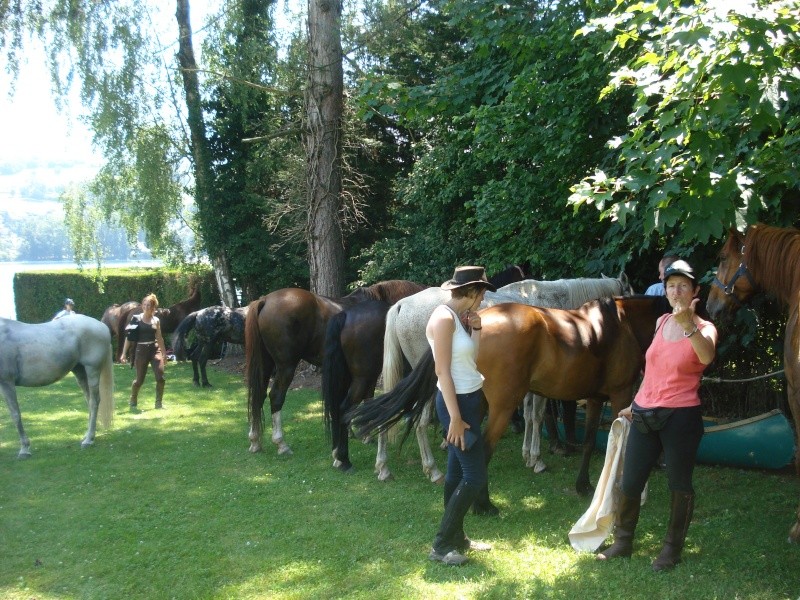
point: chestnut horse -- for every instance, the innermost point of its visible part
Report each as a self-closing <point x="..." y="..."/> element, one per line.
<point x="284" y="327"/>
<point x="766" y="258"/>
<point x="352" y="363"/>
<point x="595" y="352"/>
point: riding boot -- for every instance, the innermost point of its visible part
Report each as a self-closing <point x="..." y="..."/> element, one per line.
<point x="624" y="527"/>
<point x="159" y="393"/>
<point x="680" y="515"/>
<point x="451" y="529"/>
<point x="134" y="395"/>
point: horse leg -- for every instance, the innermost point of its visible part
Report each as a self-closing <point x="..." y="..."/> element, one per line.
<point x="791" y="365"/>
<point x="593" y="409"/>
<point x="429" y="467"/>
<point x="91" y="391"/>
<point x="10" y="392"/>
<point x="380" y="458"/>
<point x="203" y="360"/>
<point x="277" y="396"/>
<point x="534" y="408"/>
<point x="551" y="423"/>
<point x="195" y="373"/>
<point x="569" y="411"/>
<point x="498" y="421"/>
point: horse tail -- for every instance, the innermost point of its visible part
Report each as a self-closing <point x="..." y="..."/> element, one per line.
<point x="179" y="338"/>
<point x="393" y="362"/>
<point x="409" y="398"/>
<point x="105" y="411"/>
<point x="257" y="370"/>
<point x="335" y="374"/>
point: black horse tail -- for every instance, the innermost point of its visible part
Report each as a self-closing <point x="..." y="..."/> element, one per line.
<point x="407" y="399"/>
<point x="336" y="377"/>
<point x="258" y="367"/>
<point x="179" y="338"/>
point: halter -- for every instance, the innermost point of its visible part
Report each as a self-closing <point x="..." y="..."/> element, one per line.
<point x="728" y="289"/>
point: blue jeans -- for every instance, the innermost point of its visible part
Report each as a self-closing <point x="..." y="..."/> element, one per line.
<point x="467" y="465"/>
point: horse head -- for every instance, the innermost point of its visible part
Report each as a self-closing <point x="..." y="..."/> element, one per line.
<point x="733" y="283"/>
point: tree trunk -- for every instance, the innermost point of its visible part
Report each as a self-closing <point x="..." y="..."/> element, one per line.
<point x="199" y="144"/>
<point x="324" y="108"/>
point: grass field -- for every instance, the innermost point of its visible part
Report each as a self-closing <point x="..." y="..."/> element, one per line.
<point x="170" y="504"/>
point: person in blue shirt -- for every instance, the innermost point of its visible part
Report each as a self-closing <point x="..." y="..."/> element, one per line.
<point x="657" y="289"/>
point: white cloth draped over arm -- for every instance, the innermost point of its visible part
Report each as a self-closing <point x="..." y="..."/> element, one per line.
<point x="591" y="530"/>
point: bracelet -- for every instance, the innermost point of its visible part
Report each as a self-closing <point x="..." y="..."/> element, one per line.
<point x="688" y="335"/>
<point x="477" y="328"/>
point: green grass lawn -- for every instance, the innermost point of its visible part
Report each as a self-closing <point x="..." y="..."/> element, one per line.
<point x="170" y="504"/>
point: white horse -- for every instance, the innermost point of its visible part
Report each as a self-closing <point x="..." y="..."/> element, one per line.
<point x="405" y="338"/>
<point x="41" y="354"/>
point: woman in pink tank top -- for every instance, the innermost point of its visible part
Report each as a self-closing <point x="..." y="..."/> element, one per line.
<point x="666" y="417"/>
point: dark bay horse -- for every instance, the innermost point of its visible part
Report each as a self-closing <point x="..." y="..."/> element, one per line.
<point x="170" y="317"/>
<point x="352" y="364"/>
<point x="766" y="258"/>
<point x="287" y="326"/>
<point x="41" y="354"/>
<point x="211" y="326"/>
<point x="595" y="352"/>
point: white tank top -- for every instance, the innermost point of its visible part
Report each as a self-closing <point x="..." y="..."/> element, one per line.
<point x="466" y="376"/>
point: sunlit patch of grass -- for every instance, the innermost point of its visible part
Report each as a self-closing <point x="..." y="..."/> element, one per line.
<point x="170" y="504"/>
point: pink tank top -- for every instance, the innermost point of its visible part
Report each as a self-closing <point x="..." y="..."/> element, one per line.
<point x="672" y="372"/>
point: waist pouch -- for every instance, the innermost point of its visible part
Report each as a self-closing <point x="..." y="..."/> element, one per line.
<point x="648" y="420"/>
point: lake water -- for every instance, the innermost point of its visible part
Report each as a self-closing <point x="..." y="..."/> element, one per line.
<point x="8" y="269"/>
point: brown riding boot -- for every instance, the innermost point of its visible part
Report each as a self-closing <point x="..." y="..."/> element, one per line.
<point x="159" y="393"/>
<point x="624" y="527"/>
<point x="680" y="515"/>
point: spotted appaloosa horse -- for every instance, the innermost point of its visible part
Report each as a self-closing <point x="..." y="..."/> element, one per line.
<point x="284" y="327"/>
<point x="766" y="258"/>
<point x="212" y="326"/>
<point x="405" y="343"/>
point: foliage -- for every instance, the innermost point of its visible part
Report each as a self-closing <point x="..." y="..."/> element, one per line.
<point x="39" y="295"/>
<point x="508" y="126"/>
<point x="169" y="503"/>
<point x="713" y="133"/>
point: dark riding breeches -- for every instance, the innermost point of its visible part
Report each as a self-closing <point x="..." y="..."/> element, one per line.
<point x="147" y="353"/>
<point x="679" y="439"/>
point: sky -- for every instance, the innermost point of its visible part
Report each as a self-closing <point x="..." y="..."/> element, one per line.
<point x="35" y="133"/>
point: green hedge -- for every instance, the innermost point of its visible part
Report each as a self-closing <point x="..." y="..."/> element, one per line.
<point x="39" y="295"/>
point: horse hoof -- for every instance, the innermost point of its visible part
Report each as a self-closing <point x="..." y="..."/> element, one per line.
<point x="438" y="480"/>
<point x="539" y="467"/>
<point x="587" y="490"/>
<point x="385" y="477"/>
<point x="285" y="451"/>
<point x="487" y="511"/>
<point x="207" y="384"/>
<point x="23" y="455"/>
<point x="85" y="445"/>
<point x="255" y="448"/>
<point x="346" y="468"/>
<point x="196" y="383"/>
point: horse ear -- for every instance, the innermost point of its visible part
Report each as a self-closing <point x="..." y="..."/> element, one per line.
<point x="623" y="277"/>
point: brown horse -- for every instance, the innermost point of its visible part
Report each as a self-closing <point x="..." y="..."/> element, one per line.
<point x="595" y="352"/>
<point x="170" y="317"/>
<point x="766" y="258"/>
<point x="287" y="326"/>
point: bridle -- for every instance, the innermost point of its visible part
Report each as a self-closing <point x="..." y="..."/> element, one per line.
<point x="728" y="289"/>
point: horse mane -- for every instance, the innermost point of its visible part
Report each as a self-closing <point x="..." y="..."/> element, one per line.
<point x="581" y="290"/>
<point x="387" y="291"/>
<point x="772" y="254"/>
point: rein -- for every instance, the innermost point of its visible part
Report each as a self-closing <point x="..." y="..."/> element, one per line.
<point x="757" y="377"/>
